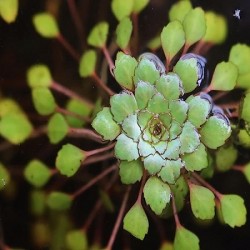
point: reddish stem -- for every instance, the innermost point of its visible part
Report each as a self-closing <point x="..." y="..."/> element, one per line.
<point x="68" y="47"/>
<point x="175" y="213"/>
<point x="238" y="168"/>
<point x="67" y="92"/>
<point x="135" y="33"/>
<point x="93" y="181"/>
<point x="108" y="58"/>
<point x="118" y="220"/>
<point x="98" y="158"/>
<point x="102" y="85"/>
<point x="141" y="187"/>
<point x="99" y="150"/>
<point x="85" y="133"/>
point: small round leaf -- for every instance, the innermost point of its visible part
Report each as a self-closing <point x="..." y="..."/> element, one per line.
<point x="156" y="194"/>
<point x="87" y="63"/>
<point x="139" y="5"/>
<point x="69" y="159"/>
<point x="76" y="240"/>
<point x="245" y="107"/>
<point x="59" y="201"/>
<point x="37" y="202"/>
<point x="9" y="10"/>
<point x="202" y="202"/>
<point x="121" y="8"/>
<point x="136" y="221"/>
<point x="39" y="76"/>
<point x="179" y="10"/>
<point x="98" y="35"/>
<point x="37" y="173"/>
<point x="43" y="100"/>
<point x="46" y="25"/>
<point x="233" y="210"/>
<point x="123" y="32"/>
<point x="105" y="125"/>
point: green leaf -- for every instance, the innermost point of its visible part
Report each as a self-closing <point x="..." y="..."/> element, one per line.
<point x="98" y="35"/>
<point x="240" y="56"/>
<point x="143" y="93"/>
<point x="123" y="32"/>
<point x="37" y="173"/>
<point x="4" y="176"/>
<point x="57" y="128"/>
<point x="189" y="138"/>
<point x="126" y="148"/>
<point x="87" y="63"/>
<point x="69" y="159"/>
<point x="178" y="109"/>
<point x="194" y="25"/>
<point x="46" y="25"/>
<point x="243" y="81"/>
<point x="166" y="246"/>
<point x="188" y="72"/>
<point x="124" y="70"/>
<point x="156" y="194"/>
<point x="216" y="31"/>
<point x="233" y="210"/>
<point x="170" y="86"/>
<point x="139" y="5"/>
<point x="179" y="10"/>
<point x="146" y="149"/>
<point x="172" y="39"/>
<point x="245" y="107"/>
<point x="106" y="201"/>
<point x="202" y="202"/>
<point x="136" y="221"/>
<point x="199" y="109"/>
<point x="77" y="240"/>
<point x="39" y="76"/>
<point x="225" y="157"/>
<point x="173" y="149"/>
<point x="37" y="202"/>
<point x="122" y="105"/>
<point x="8" y="105"/>
<point x="79" y="108"/>
<point x="59" y="201"/>
<point x="154" y="43"/>
<point x="153" y="163"/>
<point x="215" y="132"/>
<point x="171" y="171"/>
<point x="146" y="71"/>
<point x="105" y="125"/>
<point x="15" y="127"/>
<point x="9" y="10"/>
<point x="197" y="160"/>
<point x="130" y="172"/>
<point x="131" y="128"/>
<point x="157" y="104"/>
<point x="43" y="101"/>
<point x="185" y="239"/>
<point x="121" y="8"/>
<point x="244" y="138"/>
<point x="224" y="77"/>
<point x="246" y="171"/>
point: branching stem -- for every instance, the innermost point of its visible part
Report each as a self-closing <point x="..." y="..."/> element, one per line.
<point x="102" y="85"/>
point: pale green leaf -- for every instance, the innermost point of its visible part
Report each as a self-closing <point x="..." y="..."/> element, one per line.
<point x="98" y="35"/>
<point x="121" y="8"/>
<point x="123" y="32"/>
<point x="87" y="63"/>
<point x="9" y="10"/>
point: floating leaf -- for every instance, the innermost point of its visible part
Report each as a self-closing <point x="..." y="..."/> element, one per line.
<point x="59" y="201"/>
<point x="4" y="176"/>
<point x="105" y="125"/>
<point x="37" y="173"/>
<point x="39" y="76"/>
<point x="15" y="127"/>
<point x="194" y="25"/>
<point x="188" y="72"/>
<point x="157" y="104"/>
<point x="172" y="39"/>
<point x="233" y="210"/>
<point x="178" y="110"/>
<point x="57" y="128"/>
<point x="245" y="107"/>
<point x="43" y="100"/>
<point x="83" y="109"/>
<point x="76" y="240"/>
<point x="136" y="221"/>
<point x="69" y="159"/>
<point x="224" y="77"/>
<point x="124" y="70"/>
<point x="87" y="63"/>
<point x="139" y="5"/>
<point x="126" y="148"/>
<point x="46" y="25"/>
<point x="196" y="160"/>
<point x="179" y="10"/>
<point x="123" y="32"/>
<point x="240" y="56"/>
<point x="185" y="239"/>
<point x="9" y="10"/>
<point x="225" y="157"/>
<point x="121" y="8"/>
<point x="202" y="202"/>
<point x="122" y="105"/>
<point x="156" y="194"/>
<point x="216" y="31"/>
<point x="98" y="35"/>
<point x="215" y="132"/>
